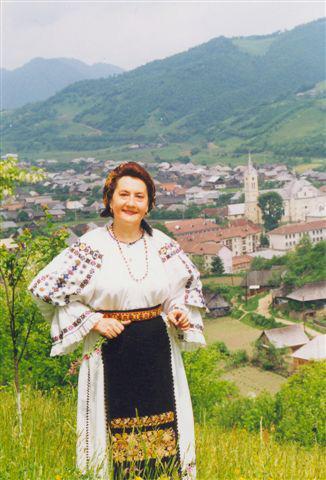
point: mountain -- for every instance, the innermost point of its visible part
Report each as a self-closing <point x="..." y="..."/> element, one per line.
<point x="186" y="96"/>
<point x="40" y="78"/>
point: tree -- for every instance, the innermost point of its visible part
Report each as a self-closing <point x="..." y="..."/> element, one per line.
<point x="19" y="312"/>
<point x="264" y="242"/>
<point x="22" y="216"/>
<point x="217" y="266"/>
<point x="199" y="261"/>
<point x="11" y="175"/>
<point x="271" y="205"/>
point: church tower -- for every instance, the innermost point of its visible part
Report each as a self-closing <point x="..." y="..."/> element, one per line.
<point x="252" y="211"/>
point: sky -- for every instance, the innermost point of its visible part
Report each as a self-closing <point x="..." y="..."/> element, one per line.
<point x="132" y="33"/>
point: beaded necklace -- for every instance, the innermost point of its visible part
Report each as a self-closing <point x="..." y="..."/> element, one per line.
<point x="110" y="228"/>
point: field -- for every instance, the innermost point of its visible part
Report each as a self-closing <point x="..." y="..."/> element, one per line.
<point x="46" y="450"/>
<point x="252" y="381"/>
<point x="235" y="334"/>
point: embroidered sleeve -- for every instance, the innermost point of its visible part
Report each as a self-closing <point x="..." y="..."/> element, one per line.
<point x="185" y="293"/>
<point x="62" y="290"/>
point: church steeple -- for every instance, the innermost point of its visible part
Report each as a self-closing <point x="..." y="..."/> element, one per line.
<point x="251" y="192"/>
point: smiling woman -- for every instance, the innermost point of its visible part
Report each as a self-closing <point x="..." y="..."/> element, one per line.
<point x="132" y="296"/>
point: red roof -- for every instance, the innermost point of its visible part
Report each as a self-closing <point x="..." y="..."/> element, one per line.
<point x="192" y="225"/>
<point x="298" y="227"/>
<point x="201" y="248"/>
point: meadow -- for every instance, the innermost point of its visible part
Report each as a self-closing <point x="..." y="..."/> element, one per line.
<point x="46" y="449"/>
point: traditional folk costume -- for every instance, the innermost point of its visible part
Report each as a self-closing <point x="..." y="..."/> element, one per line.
<point x="133" y="386"/>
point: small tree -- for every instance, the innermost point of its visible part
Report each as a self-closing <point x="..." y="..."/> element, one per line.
<point x="199" y="261"/>
<point x="19" y="312"/>
<point x="11" y="175"/>
<point x="22" y="216"/>
<point x="217" y="266"/>
<point x="271" y="205"/>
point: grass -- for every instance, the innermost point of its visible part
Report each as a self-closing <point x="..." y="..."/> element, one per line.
<point x="252" y="381"/>
<point x="235" y="334"/>
<point x="46" y="450"/>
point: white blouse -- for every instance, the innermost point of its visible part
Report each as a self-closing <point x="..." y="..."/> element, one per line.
<point x="92" y="275"/>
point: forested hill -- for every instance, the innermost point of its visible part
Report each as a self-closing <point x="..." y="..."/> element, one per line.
<point x="41" y="78"/>
<point x="176" y="98"/>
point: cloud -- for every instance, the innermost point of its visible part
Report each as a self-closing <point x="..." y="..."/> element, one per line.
<point x="129" y="34"/>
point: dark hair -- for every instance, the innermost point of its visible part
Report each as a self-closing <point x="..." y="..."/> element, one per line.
<point x="128" y="169"/>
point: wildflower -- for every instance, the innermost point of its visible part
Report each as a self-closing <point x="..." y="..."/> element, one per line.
<point x="58" y="477"/>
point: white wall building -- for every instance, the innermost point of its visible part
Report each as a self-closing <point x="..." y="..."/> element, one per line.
<point x="288" y="236"/>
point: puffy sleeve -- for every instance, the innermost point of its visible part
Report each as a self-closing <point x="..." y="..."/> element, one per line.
<point x="185" y="292"/>
<point x="63" y="290"/>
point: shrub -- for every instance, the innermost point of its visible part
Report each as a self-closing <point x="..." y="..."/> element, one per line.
<point x="206" y="387"/>
<point x="247" y="413"/>
<point x="269" y="358"/>
<point x="301" y="406"/>
<point x="239" y="357"/>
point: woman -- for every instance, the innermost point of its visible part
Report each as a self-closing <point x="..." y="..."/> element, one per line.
<point x="132" y="296"/>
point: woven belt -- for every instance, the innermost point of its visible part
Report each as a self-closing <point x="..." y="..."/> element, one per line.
<point x="133" y="315"/>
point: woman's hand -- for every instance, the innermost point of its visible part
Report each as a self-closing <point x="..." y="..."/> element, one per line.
<point x="179" y="319"/>
<point x="110" y="327"/>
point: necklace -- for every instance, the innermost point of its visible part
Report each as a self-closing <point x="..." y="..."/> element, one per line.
<point x="140" y="279"/>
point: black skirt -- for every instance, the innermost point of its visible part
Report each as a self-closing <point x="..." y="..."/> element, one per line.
<point x="140" y="402"/>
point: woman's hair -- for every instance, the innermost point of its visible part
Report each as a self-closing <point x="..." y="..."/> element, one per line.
<point x="128" y="169"/>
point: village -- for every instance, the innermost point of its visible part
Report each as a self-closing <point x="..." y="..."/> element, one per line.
<point x="214" y="214"/>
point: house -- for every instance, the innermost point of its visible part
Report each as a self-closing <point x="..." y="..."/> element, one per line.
<point x="208" y="250"/>
<point x="236" y="210"/>
<point x="241" y="263"/>
<point x="185" y="227"/>
<point x="216" y="304"/>
<point x="288" y="236"/>
<point x="290" y="336"/>
<point x="7" y="225"/>
<point x="259" y="280"/>
<point x="311" y="292"/>
<point x="74" y="205"/>
<point x="314" y="350"/>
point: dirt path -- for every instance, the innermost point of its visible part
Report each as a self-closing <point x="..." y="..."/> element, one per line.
<point x="263" y="309"/>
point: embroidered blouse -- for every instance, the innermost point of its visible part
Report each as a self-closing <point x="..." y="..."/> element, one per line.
<point x="91" y="275"/>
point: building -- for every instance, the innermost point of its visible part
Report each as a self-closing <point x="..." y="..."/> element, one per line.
<point x="288" y="236"/>
<point x="216" y="304"/>
<point x="241" y="263"/>
<point x="208" y="250"/>
<point x="194" y="225"/>
<point x="314" y="350"/>
<point x="301" y="200"/>
<point x="290" y="336"/>
<point x="259" y="280"/>
<point x="252" y="210"/>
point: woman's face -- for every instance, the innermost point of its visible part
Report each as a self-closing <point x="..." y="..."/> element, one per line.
<point x="129" y="202"/>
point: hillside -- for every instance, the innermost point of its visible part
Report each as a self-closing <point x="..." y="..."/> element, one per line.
<point x="188" y="97"/>
<point x="41" y="77"/>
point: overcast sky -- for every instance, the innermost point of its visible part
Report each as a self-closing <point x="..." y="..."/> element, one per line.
<point x="129" y="34"/>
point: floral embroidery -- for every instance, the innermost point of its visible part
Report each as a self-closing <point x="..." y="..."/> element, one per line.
<point x="168" y="250"/>
<point x="81" y="263"/>
<point x="139" y="446"/>
<point x="193" y="292"/>
<point x="147" y="421"/>
<point x="77" y="323"/>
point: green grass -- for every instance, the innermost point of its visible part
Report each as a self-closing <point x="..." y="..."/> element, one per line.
<point x="252" y="381"/>
<point x="235" y="334"/>
<point x="46" y="449"/>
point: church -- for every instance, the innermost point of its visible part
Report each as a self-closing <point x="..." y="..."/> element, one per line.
<point x="302" y="201"/>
